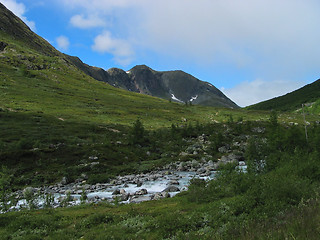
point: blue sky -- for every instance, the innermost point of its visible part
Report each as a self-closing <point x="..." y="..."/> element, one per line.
<point x="252" y="50"/>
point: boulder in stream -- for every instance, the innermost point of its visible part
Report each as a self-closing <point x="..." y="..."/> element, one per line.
<point x="171" y="189"/>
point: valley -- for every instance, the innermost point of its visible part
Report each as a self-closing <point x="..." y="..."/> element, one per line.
<point x="88" y="159"/>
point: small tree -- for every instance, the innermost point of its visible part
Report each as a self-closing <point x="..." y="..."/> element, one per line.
<point x="273" y="119"/>
<point x="138" y="133"/>
<point x="83" y="197"/>
<point x="31" y="197"/>
<point x="48" y="200"/>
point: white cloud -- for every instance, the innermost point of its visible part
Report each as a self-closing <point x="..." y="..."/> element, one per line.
<point x="83" y="22"/>
<point x="246" y="33"/>
<point x="268" y="37"/>
<point x="119" y="48"/>
<point x="63" y="43"/>
<point x="247" y="93"/>
<point x="100" y="5"/>
<point x="19" y="9"/>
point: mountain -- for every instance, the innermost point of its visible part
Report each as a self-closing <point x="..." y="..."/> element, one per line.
<point x="14" y="28"/>
<point x="175" y="85"/>
<point x="291" y="101"/>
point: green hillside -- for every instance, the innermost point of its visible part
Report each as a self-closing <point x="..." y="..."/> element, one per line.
<point x="291" y="101"/>
<point x="58" y="126"/>
<point x="47" y="101"/>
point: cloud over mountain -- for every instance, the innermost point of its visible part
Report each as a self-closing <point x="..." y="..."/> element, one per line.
<point x="259" y="90"/>
<point x="63" y="43"/>
<point x="120" y="49"/>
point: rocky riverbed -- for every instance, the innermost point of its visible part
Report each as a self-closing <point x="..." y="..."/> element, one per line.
<point x="162" y="183"/>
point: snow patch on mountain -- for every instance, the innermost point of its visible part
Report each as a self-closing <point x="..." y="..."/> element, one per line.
<point x="193" y="98"/>
<point x="173" y="97"/>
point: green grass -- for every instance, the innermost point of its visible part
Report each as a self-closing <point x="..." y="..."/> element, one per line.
<point x="62" y="91"/>
<point x="45" y="101"/>
<point x="54" y="118"/>
<point x="165" y="219"/>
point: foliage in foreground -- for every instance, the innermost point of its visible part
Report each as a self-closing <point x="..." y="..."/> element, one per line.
<point x="276" y="199"/>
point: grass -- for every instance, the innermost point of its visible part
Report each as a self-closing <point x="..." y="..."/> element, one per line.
<point x="60" y="90"/>
<point x="166" y="219"/>
<point x="45" y="101"/>
<point x="53" y="118"/>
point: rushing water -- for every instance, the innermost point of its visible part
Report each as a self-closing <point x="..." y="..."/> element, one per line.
<point x="180" y="179"/>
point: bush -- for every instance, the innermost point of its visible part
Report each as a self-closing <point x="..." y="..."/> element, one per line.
<point x="94" y="220"/>
<point x="138" y="133"/>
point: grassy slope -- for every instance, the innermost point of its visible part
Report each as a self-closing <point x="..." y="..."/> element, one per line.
<point x="61" y="104"/>
<point x="291" y="101"/>
<point x="63" y="91"/>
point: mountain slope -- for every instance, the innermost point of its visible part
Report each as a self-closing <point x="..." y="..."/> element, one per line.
<point x="291" y="101"/>
<point x="176" y="85"/>
<point x="14" y="28"/>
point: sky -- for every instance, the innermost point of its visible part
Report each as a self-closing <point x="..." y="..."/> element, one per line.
<point x="252" y="50"/>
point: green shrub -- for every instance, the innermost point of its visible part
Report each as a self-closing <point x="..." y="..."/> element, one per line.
<point x="94" y="220"/>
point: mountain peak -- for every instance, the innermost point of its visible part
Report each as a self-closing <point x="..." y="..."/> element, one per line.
<point x="115" y="71"/>
<point x="141" y="67"/>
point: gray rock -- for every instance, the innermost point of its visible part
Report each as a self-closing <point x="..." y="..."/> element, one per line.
<point x="160" y="195"/>
<point x="138" y="199"/>
<point x="84" y="176"/>
<point x="258" y="130"/>
<point x="224" y="149"/>
<point x="121" y="197"/>
<point x="242" y="163"/>
<point x="173" y="182"/>
<point x="141" y="192"/>
<point x="201" y="170"/>
<point x="3" y="45"/>
<point x="231" y="158"/>
<point x="116" y="192"/>
<point x="124" y="197"/>
<point x="171" y="189"/>
<point x="183" y="154"/>
<point x="64" y="181"/>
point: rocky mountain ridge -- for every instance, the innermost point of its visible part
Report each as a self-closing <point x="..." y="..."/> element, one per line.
<point x="176" y="86"/>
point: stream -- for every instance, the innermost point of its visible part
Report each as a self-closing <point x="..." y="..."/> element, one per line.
<point x="125" y="189"/>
